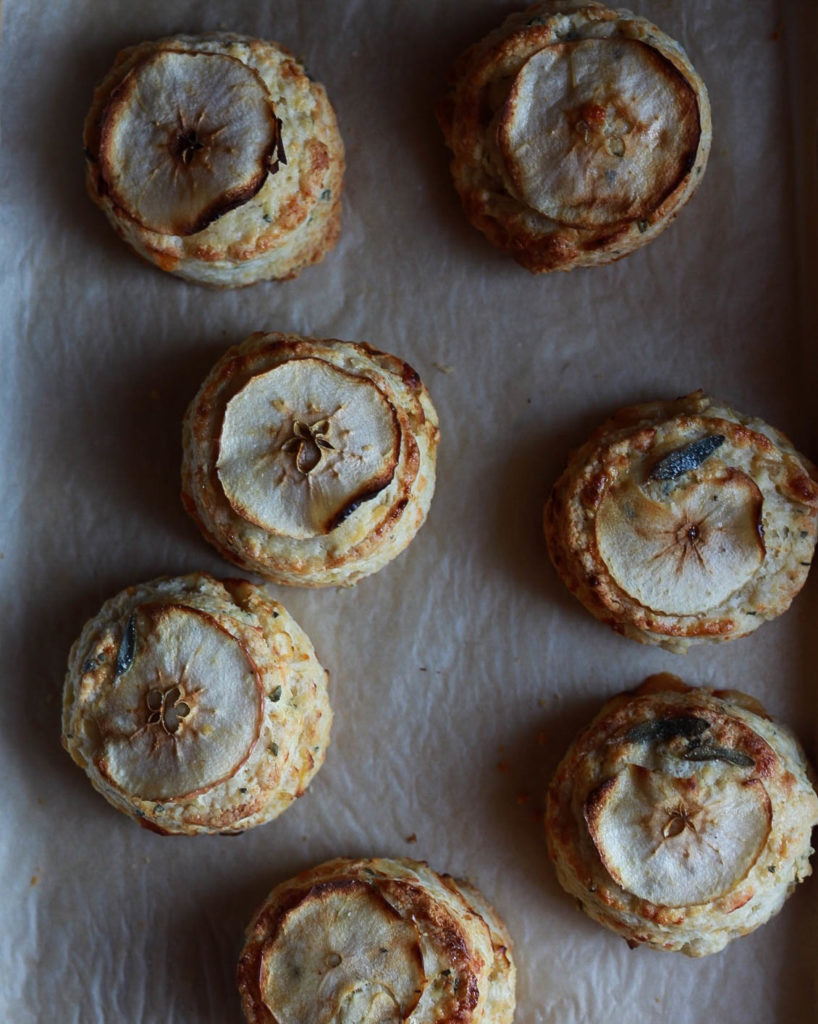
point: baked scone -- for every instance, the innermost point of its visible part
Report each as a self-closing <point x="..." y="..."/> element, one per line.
<point x="376" y="941"/>
<point x="578" y="133"/>
<point x="309" y="462"/>
<point x="195" y="705"/>
<point x="681" y="817"/>
<point x="216" y="158"/>
<point x="684" y="521"/>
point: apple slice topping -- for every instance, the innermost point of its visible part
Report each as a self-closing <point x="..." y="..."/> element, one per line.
<point x="598" y="131"/>
<point x="685" y="552"/>
<point x="343" y="953"/>
<point x="304" y="444"/>
<point x="185" y="712"/>
<point x="677" y="841"/>
<point x="186" y="137"/>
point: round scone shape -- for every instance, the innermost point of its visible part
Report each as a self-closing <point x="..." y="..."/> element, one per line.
<point x="216" y="158"/>
<point x="196" y="706"/>
<point x="376" y="941"/>
<point x="681" y="818"/>
<point x="578" y="132"/>
<point x="309" y="462"/>
<point x="684" y="521"/>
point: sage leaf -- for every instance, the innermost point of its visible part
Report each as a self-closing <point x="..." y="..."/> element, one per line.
<point x="690" y="456"/>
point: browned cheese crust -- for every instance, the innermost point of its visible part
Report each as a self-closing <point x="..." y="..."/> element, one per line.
<point x="684" y="521"/>
<point x="681" y="817"/>
<point x="196" y="706"/>
<point x="578" y="133"/>
<point x="375" y="940"/>
<point x="322" y="521"/>
<point x="237" y="192"/>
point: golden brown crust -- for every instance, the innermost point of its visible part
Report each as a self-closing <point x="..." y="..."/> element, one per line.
<point x="769" y="520"/>
<point x="375" y="523"/>
<point x="180" y="747"/>
<point x="588" y="218"/>
<point x="452" y="943"/>
<point x="720" y="759"/>
<point x="291" y="220"/>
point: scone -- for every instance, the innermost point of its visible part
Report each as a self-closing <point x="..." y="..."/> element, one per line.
<point x="681" y="818"/>
<point x="578" y="133"/>
<point x="684" y="521"/>
<point x="196" y="706"/>
<point x="373" y="941"/>
<point x="216" y="158"/>
<point x="309" y="462"/>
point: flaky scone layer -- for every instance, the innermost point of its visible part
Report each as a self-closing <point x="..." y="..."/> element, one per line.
<point x="373" y="940"/>
<point x="577" y="131"/>
<point x="196" y="706"/>
<point x="684" y="521"/>
<point x="696" y="799"/>
<point x="375" y="524"/>
<point x="292" y="221"/>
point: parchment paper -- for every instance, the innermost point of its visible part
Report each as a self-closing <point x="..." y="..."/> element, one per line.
<point x="460" y="672"/>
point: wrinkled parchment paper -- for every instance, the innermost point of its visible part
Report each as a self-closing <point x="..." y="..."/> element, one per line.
<point x="460" y="672"/>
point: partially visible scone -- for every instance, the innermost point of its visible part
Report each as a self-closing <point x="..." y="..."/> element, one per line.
<point x="578" y="133"/>
<point x="309" y="462"/>
<point x="684" y="521"/>
<point x="195" y="705"/>
<point x="373" y="941"/>
<point x="681" y="818"/>
<point x="216" y="158"/>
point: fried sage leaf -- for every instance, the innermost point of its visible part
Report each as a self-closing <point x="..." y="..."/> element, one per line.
<point x="661" y="730"/>
<point x="690" y="456"/>
<point x="711" y="752"/>
<point x="691" y="728"/>
<point x="127" y="647"/>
